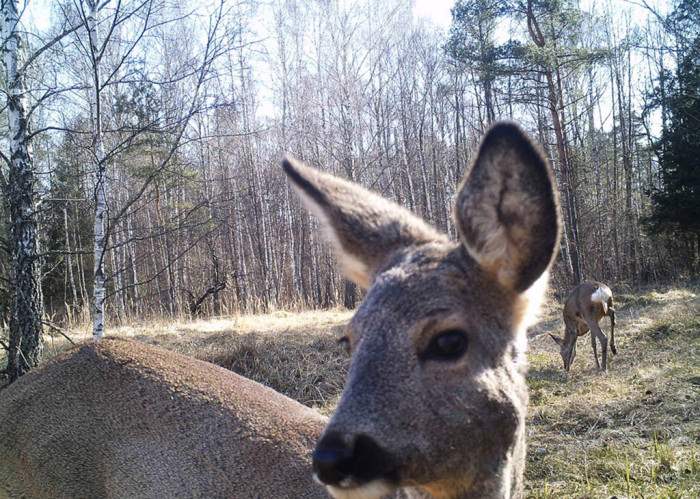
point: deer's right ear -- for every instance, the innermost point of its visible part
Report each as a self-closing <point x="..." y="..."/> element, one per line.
<point x="556" y="339"/>
<point x="364" y="228"/>
<point x="507" y="208"/>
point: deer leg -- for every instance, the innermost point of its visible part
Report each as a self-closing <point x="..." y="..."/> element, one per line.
<point x="581" y="329"/>
<point x="611" y="314"/>
<point x="595" y="330"/>
<point x="595" y="350"/>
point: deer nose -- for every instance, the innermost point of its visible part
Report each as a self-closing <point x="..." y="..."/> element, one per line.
<point x="349" y="460"/>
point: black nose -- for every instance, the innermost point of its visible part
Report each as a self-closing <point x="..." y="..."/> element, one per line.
<point x="349" y="460"/>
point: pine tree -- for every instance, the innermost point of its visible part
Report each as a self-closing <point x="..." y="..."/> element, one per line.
<point x="676" y="203"/>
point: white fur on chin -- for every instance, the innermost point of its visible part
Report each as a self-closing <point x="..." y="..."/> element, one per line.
<point x="372" y="490"/>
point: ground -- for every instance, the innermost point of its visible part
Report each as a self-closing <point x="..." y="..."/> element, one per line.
<point x="633" y="432"/>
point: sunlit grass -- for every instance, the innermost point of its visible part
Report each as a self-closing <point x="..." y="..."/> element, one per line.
<point x="632" y="432"/>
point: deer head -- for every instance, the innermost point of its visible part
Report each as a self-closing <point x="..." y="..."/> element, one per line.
<point x="435" y="397"/>
<point x="567" y="347"/>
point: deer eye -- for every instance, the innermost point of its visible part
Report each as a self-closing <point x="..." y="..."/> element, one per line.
<point x="448" y="345"/>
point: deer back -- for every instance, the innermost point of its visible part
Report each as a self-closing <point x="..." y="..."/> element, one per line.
<point x="123" y="419"/>
<point x="589" y="299"/>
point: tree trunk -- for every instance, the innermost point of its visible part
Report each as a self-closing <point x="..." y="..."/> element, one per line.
<point x="100" y="235"/>
<point x="26" y="303"/>
<point x="556" y="108"/>
<point x="69" y="260"/>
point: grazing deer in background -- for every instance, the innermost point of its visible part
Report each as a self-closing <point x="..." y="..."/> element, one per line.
<point x="436" y="398"/>
<point x="588" y="303"/>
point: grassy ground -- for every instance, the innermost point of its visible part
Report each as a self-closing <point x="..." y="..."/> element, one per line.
<point x="634" y="432"/>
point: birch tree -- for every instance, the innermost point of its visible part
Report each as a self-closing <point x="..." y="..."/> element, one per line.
<point x="26" y="308"/>
<point x="101" y="187"/>
<point x="147" y="20"/>
<point x="20" y="188"/>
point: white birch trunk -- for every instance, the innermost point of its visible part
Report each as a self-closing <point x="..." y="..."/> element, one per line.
<point x="26" y="306"/>
<point x="98" y="326"/>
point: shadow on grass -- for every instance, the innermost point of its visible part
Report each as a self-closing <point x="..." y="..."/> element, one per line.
<point x="626" y="301"/>
<point x="547" y="374"/>
<point x="544" y="382"/>
<point x="683" y="330"/>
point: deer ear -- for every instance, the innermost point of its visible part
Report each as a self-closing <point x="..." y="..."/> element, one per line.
<point x="507" y="209"/>
<point x="556" y="339"/>
<point x="364" y="228"/>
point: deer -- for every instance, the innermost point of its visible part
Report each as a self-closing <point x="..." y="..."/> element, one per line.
<point x="123" y="419"/>
<point x="434" y="402"/>
<point x="586" y="305"/>
<point x="435" y="399"/>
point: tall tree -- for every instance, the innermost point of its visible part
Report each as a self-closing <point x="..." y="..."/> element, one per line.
<point x="20" y="189"/>
<point x="676" y="202"/>
<point x="472" y="44"/>
<point x="26" y="309"/>
<point x="96" y="53"/>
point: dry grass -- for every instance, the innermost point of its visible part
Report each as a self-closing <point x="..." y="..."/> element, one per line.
<point x="634" y="432"/>
<point x="297" y="354"/>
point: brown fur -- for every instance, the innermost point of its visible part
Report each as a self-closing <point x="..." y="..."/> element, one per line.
<point x="442" y="428"/>
<point x="359" y="216"/>
<point x="123" y="419"/>
<point x="581" y="315"/>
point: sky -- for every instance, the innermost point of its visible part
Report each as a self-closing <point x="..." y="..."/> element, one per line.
<point x="437" y="11"/>
<point x="38" y="17"/>
<point x="37" y="14"/>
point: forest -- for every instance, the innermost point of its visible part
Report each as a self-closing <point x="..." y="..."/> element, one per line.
<point x="142" y="142"/>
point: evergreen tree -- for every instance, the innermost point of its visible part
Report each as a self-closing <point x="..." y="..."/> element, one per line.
<point x="676" y="202"/>
<point x="471" y="44"/>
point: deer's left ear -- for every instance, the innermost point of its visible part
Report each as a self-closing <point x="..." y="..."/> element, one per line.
<point x="364" y="228"/>
<point x="507" y="208"/>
